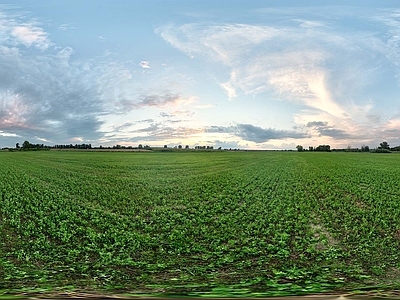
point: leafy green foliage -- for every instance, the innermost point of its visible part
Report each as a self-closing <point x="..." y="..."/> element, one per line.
<point x="243" y="223"/>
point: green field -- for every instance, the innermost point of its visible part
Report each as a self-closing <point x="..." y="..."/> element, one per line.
<point x="199" y="223"/>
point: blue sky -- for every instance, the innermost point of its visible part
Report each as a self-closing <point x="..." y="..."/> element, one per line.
<point x="240" y="74"/>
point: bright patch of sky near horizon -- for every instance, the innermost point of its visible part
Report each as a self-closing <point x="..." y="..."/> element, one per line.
<point x="240" y="74"/>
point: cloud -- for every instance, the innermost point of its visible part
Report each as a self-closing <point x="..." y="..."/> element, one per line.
<point x="144" y="64"/>
<point x="324" y="129"/>
<point x="16" y="31"/>
<point x="256" y="134"/>
<point x="166" y="115"/>
<point x="163" y="100"/>
<point x="155" y="100"/>
<point x="156" y="132"/>
<point x="65" y="27"/>
<point x="127" y="125"/>
<point x="309" y="23"/>
<point x="229" y="89"/>
<point x="2" y="133"/>
<point x="335" y="133"/>
<point x="391" y="45"/>
<point x="150" y="129"/>
<point x="317" y="124"/>
<point x="41" y="139"/>
<point x="214" y="40"/>
<point x="30" y="35"/>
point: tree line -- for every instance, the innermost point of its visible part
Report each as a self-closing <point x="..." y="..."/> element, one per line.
<point x="28" y="146"/>
<point x="383" y="147"/>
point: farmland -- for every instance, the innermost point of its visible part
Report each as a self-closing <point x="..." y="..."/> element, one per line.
<point x="199" y="223"/>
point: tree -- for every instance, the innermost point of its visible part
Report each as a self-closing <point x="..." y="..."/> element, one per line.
<point x="165" y="146"/>
<point x="26" y="145"/>
<point x="299" y="148"/>
<point x="187" y="147"/>
<point x="17" y="145"/>
<point x="140" y="146"/>
<point x="326" y="148"/>
<point x="397" y="148"/>
<point x="385" y="145"/>
<point x="364" y="148"/>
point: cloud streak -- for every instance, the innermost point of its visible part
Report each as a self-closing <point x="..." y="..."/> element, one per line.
<point x="155" y="100"/>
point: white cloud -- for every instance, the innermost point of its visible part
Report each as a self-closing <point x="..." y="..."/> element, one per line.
<point x="216" y="41"/>
<point x="65" y="53"/>
<point x="144" y="64"/>
<point x="29" y="35"/>
<point x="229" y="89"/>
<point x="65" y="27"/>
<point x="42" y="139"/>
<point x="309" y="23"/>
<point x="2" y="133"/>
<point x="391" y="45"/>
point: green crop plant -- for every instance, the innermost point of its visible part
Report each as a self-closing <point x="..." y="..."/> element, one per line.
<point x="205" y="223"/>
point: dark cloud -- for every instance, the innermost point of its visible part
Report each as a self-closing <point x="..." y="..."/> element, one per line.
<point x="325" y="130"/>
<point x="158" y="100"/>
<point x="123" y="126"/>
<point x="317" y="124"/>
<point x="151" y="129"/>
<point x="335" y="133"/>
<point x="155" y="100"/>
<point x="256" y="134"/>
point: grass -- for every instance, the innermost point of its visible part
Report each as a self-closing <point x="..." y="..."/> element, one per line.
<point x="199" y="223"/>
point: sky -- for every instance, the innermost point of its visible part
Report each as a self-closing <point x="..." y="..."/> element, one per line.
<point x="233" y="74"/>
